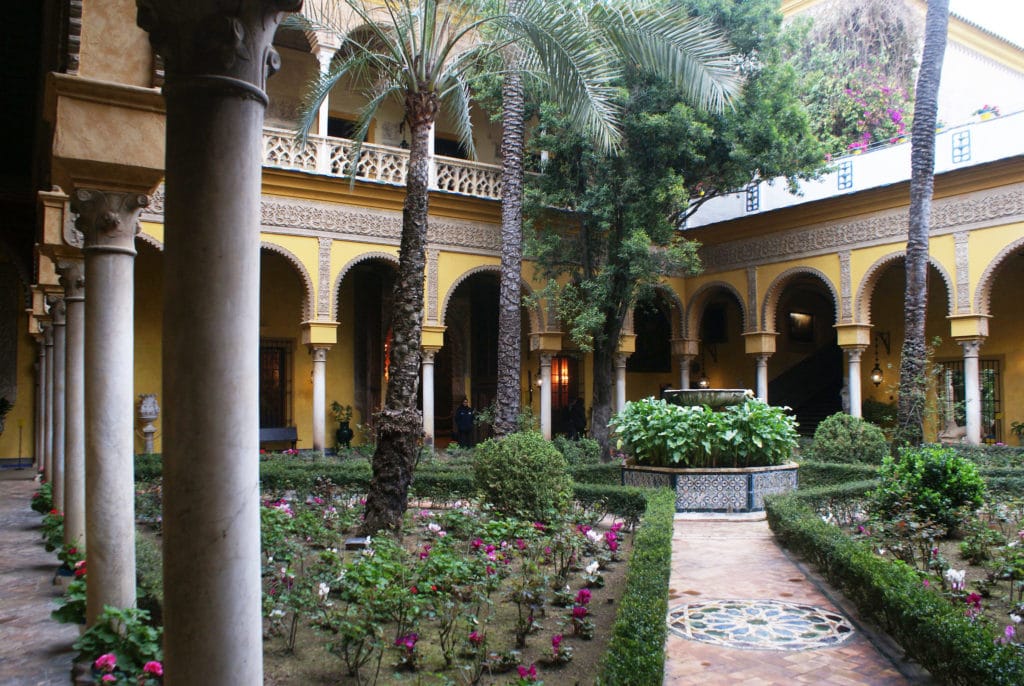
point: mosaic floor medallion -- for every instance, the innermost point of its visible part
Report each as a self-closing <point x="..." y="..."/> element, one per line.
<point x="759" y="624"/>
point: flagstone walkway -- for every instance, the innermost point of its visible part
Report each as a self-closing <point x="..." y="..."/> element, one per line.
<point x="34" y="649"/>
<point x="741" y="611"/>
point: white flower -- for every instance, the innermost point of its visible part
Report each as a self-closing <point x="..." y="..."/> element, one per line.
<point x="276" y="613"/>
<point x="594" y="536"/>
<point x="591" y="569"/>
<point x="1015" y="618"/>
<point x="323" y="590"/>
<point x="955" y="577"/>
<point x="434" y="527"/>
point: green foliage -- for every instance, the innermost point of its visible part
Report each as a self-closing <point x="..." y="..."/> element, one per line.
<point x="149" y="467"/>
<point x="42" y="500"/>
<point x="627" y="502"/>
<point x="149" y="576"/>
<point x="128" y="634"/>
<point x="931" y="482"/>
<point x="879" y="413"/>
<point x="578" y="453"/>
<point x="53" y="530"/>
<point x="608" y="473"/>
<point x="523" y="474"/>
<point x="930" y="629"/>
<point x="816" y="474"/>
<point x="842" y="438"/>
<point x="635" y="651"/>
<point x="992" y="456"/>
<point x="659" y="434"/>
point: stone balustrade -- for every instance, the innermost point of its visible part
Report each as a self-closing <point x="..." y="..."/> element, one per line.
<point x="377" y="163"/>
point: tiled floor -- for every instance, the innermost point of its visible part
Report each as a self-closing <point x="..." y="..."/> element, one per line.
<point x="34" y="649"/>
<point x="739" y="560"/>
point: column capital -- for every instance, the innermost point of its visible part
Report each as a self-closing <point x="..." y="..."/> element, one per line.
<point x="428" y="353"/>
<point x="319" y="352"/>
<point x="545" y="357"/>
<point x="971" y="346"/>
<point x="223" y="45"/>
<point x="854" y="352"/>
<point x="760" y="357"/>
<point x="109" y="220"/>
<point x="72" y="278"/>
<point x="58" y="310"/>
<point x="620" y="360"/>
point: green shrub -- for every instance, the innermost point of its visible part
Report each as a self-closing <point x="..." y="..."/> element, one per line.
<point x="627" y="502"/>
<point x="992" y="456"/>
<point x="129" y="634"/>
<point x="879" y="413"/>
<point x="636" y="652"/>
<point x="814" y="474"/>
<point x="42" y="500"/>
<point x="610" y="474"/>
<point x="842" y="438"/>
<point x="149" y="576"/>
<point x="932" y="482"/>
<point x="522" y="474"/>
<point x="149" y="467"/>
<point x="931" y="630"/>
<point x="751" y="434"/>
<point x="584" y="451"/>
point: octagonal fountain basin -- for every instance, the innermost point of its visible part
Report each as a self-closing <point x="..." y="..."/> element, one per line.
<point x="715" y="398"/>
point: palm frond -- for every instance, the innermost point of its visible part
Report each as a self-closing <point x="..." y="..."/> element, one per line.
<point x="455" y="103"/>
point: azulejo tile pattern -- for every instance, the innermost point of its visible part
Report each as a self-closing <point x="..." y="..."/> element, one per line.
<point x="721" y="492"/>
<point x="769" y="483"/>
<point x="634" y="477"/>
<point x="759" y="624"/>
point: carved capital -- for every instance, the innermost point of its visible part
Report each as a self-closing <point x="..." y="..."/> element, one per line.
<point x="620" y="360"/>
<point x="428" y="355"/>
<point x="319" y="354"/>
<point x="108" y="220"/>
<point x="971" y="346"/>
<point x="854" y="352"/>
<point x="222" y="45"/>
<point x="57" y="309"/>
<point x="72" y="278"/>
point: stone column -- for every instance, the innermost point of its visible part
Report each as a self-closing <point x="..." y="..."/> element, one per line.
<point x="545" y="395"/>
<point x="972" y="389"/>
<point x="853" y="354"/>
<point x="620" y="382"/>
<point x="761" y="361"/>
<point x="109" y="222"/>
<point x="48" y="403"/>
<point x="319" y="397"/>
<point x="57" y="311"/>
<point x="217" y="57"/>
<point x="428" y="395"/>
<point x="684" y="370"/>
<point x="72" y="277"/>
<point x="40" y="440"/>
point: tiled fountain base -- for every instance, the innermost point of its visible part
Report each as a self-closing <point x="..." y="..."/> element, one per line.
<point x="759" y="624"/>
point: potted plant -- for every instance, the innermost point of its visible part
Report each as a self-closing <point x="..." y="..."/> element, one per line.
<point x="5" y="407"/>
<point x="1017" y="429"/>
<point x="343" y="415"/>
<point x="715" y="461"/>
<point x="986" y="112"/>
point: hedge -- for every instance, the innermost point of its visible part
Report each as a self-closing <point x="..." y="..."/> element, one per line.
<point x="636" y="653"/>
<point x="928" y="627"/>
<point x="813" y="474"/>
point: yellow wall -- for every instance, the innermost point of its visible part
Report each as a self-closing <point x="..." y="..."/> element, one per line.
<point x="22" y="415"/>
<point x="149" y="276"/>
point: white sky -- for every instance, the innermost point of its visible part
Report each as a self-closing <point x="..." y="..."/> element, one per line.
<point x="1003" y="17"/>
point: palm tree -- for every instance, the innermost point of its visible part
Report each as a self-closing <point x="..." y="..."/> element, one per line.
<point x="913" y="384"/>
<point x="421" y="53"/>
<point x="660" y="38"/>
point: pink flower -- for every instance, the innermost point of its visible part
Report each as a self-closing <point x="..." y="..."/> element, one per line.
<point x="579" y="612"/>
<point x="583" y="596"/>
<point x="539" y="526"/>
<point x="475" y="638"/>
<point x="521" y="544"/>
<point x="108" y="679"/>
<point x="617" y="526"/>
<point x="477" y="542"/>
<point x="556" y="642"/>
<point x="106" y="662"/>
<point x="153" y="667"/>
<point x="530" y="673"/>
<point x="927" y="583"/>
<point x="408" y="641"/>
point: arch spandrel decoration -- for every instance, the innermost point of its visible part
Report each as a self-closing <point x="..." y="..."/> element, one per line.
<point x="307" y="282"/>
<point x="778" y="285"/>
<point x="149" y="240"/>
<point x="695" y="307"/>
<point x="358" y="259"/>
<point x="983" y="293"/>
<point x="534" y="316"/>
<point x="866" y="288"/>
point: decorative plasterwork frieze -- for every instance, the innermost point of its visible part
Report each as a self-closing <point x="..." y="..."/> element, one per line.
<point x="433" y="254"/>
<point x="323" y="279"/>
<point x="845" y="287"/>
<point x="358" y="223"/>
<point x="751" y="323"/>
<point x="963" y="281"/>
<point x="948" y="215"/>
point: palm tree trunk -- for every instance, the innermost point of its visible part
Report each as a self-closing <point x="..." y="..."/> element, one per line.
<point x="509" y="313"/>
<point x="399" y="424"/>
<point x="913" y="384"/>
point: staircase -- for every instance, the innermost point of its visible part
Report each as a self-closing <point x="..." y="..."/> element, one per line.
<point x="811" y="388"/>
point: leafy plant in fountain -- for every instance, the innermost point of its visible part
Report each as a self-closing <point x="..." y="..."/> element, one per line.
<point x="751" y="434"/>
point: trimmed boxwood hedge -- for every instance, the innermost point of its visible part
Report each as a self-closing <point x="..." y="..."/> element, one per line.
<point x="636" y="653"/>
<point x="813" y="474"/>
<point x="928" y="627"/>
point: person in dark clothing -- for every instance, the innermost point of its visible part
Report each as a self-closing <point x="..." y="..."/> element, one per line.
<point x="464" y="424"/>
<point x="577" y="419"/>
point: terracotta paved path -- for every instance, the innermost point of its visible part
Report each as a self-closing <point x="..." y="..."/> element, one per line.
<point x="716" y="559"/>
<point x="34" y="649"/>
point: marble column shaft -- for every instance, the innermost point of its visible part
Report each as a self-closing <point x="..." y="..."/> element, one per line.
<point x="57" y="311"/>
<point x="217" y="58"/>
<point x="72" y="277"/>
<point x="972" y="390"/>
<point x="109" y="222"/>
<point x="620" y="382"/>
<point x="428" y="396"/>
<point x="40" y="425"/>
<point x="48" y="405"/>
<point x="853" y="377"/>
<point x="319" y="397"/>
<point x="761" y="362"/>
<point x="545" y="395"/>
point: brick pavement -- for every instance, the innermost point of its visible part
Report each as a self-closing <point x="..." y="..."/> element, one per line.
<point x="34" y="649"/>
<point x="717" y="559"/>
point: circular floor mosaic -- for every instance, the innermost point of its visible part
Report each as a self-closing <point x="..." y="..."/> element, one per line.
<point x="759" y="624"/>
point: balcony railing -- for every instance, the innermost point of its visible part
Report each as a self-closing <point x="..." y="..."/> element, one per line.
<point x="377" y="164"/>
